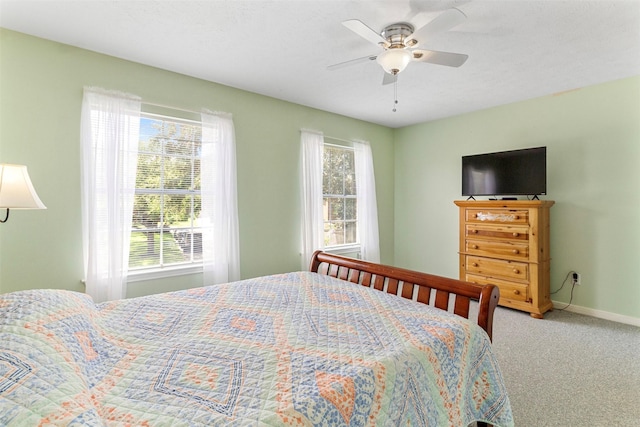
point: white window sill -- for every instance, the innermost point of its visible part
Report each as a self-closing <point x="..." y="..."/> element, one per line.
<point x="160" y="273"/>
<point x="343" y="250"/>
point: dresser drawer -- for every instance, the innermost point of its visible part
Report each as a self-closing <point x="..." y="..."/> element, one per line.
<point x="498" y="249"/>
<point x="508" y="290"/>
<point x="506" y="232"/>
<point x="498" y="216"/>
<point x="497" y="268"/>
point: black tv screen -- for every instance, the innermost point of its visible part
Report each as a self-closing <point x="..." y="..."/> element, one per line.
<point x="505" y="173"/>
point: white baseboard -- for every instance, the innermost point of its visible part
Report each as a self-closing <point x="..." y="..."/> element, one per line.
<point x="614" y="317"/>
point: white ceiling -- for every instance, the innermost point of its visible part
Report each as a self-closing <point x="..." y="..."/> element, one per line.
<point x="517" y="49"/>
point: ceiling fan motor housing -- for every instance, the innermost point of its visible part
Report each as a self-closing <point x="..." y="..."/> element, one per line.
<point x="396" y="34"/>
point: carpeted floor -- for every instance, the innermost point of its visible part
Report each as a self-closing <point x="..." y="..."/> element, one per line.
<point x="568" y="369"/>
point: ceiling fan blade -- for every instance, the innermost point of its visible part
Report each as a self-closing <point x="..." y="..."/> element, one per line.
<point x="443" y="22"/>
<point x="365" y="32"/>
<point x="351" y="62"/>
<point x="389" y="79"/>
<point x="441" y="58"/>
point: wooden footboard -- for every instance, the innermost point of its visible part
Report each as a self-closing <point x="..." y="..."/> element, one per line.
<point x="449" y="294"/>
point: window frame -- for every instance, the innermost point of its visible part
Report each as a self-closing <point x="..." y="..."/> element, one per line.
<point x="160" y="271"/>
<point x="351" y="247"/>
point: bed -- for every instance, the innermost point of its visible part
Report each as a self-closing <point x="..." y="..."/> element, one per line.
<point x="347" y="343"/>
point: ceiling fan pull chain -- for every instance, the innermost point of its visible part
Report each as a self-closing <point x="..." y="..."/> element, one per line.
<point x="395" y="94"/>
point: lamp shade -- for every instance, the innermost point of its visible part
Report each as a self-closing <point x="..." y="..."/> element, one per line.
<point x="16" y="190"/>
<point x="394" y="60"/>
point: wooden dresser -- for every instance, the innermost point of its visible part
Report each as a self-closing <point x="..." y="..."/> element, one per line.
<point x="507" y="243"/>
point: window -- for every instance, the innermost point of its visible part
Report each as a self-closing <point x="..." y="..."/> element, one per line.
<point x="339" y="196"/>
<point x="157" y="191"/>
<point x="167" y="199"/>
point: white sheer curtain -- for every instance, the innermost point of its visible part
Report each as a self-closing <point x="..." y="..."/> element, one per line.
<point x="312" y="146"/>
<point x="367" y="210"/>
<point x="219" y="215"/>
<point x="110" y="127"/>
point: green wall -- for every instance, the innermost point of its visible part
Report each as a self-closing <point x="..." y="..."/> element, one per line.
<point x="592" y="135"/>
<point x="593" y="174"/>
<point x="41" y="86"/>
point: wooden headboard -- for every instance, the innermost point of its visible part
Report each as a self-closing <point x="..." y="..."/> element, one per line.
<point x="450" y="294"/>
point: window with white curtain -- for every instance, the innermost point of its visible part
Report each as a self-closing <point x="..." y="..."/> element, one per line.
<point x="159" y="195"/>
<point x="167" y="203"/>
<point x="339" y="208"/>
<point x="185" y="216"/>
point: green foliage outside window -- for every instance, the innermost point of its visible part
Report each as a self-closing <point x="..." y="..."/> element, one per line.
<point x="167" y="200"/>
<point x="339" y="196"/>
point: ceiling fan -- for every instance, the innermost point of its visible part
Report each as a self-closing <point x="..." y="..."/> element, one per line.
<point x="399" y="41"/>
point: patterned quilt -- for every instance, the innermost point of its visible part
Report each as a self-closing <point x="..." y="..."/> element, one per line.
<point x="292" y="349"/>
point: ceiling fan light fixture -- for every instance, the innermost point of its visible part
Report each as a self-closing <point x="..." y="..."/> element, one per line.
<point x="393" y="61"/>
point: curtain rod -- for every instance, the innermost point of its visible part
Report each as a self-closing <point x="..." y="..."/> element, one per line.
<point x="339" y="139"/>
<point x="154" y="104"/>
<point x="328" y="136"/>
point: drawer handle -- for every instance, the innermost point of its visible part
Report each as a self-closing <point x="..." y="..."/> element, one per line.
<point x="516" y="234"/>
<point x="474" y="246"/>
<point x="516" y="292"/>
<point x="473" y="264"/>
<point x="515" y="251"/>
<point x="474" y="231"/>
<point x="517" y="217"/>
<point x="516" y="271"/>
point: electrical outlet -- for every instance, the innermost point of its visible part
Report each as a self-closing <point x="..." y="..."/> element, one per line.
<point x="576" y="278"/>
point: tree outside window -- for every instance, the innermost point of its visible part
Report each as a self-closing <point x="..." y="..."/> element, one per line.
<point x="339" y="196"/>
<point x="167" y="198"/>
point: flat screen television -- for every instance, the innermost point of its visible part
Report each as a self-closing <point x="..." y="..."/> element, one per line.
<point x="506" y="173"/>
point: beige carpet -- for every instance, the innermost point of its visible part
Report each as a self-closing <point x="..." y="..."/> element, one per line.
<point x="568" y="369"/>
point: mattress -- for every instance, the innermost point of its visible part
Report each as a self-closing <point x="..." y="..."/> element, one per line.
<point x="288" y="349"/>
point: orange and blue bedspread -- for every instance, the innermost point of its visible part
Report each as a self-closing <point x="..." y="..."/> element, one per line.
<point x="290" y="349"/>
